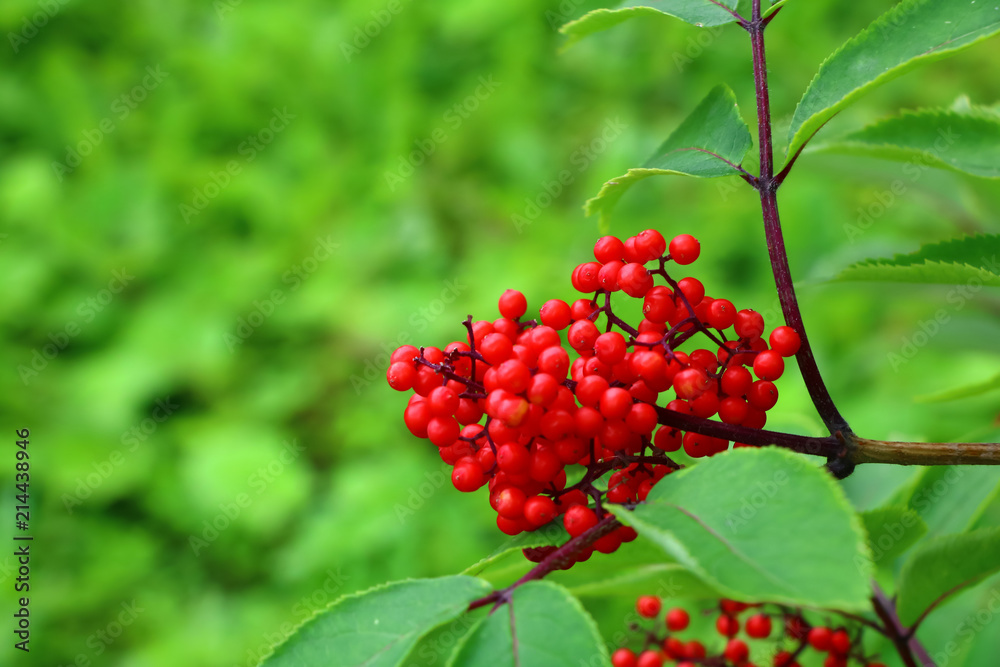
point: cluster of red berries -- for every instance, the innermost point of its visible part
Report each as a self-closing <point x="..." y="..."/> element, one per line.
<point x="660" y="649"/>
<point x="590" y="397"/>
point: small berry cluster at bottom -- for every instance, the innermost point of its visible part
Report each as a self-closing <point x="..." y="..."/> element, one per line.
<point x="662" y="645"/>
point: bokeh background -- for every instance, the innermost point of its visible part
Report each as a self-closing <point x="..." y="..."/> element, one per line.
<point x="216" y="218"/>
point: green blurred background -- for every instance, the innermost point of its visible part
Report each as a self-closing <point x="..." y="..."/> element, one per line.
<point x="211" y="235"/>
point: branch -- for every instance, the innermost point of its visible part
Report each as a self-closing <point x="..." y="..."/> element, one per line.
<point x="908" y="647"/>
<point x="863" y="450"/>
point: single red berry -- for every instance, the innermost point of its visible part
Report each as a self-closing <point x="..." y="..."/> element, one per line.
<point x="582" y="335"/>
<point x="785" y="341"/>
<point x="674" y="648"/>
<point x="684" y="249"/>
<point x="668" y="439"/>
<point x="727" y="625"/>
<point x="694" y="650"/>
<point x="658" y="305"/>
<point x="607" y="277"/>
<point x="650" y="245"/>
<point x="615" y="403"/>
<point x="650" y="659"/>
<point x="733" y="607"/>
<point x="443" y="402"/>
<point x="635" y="280"/>
<point x="768" y="365"/>
<point x="737" y="651"/>
<point x="579" y="519"/>
<point x="733" y="410"/>
<point x="623" y="657"/>
<point x="610" y="348"/>
<point x="539" y="510"/>
<point x="690" y="383"/>
<point x="758" y="626"/>
<point x="513" y="458"/>
<point x="692" y="289"/>
<point x="467" y="476"/>
<point x="819" y="638"/>
<point x="404" y="353"/>
<point x="677" y="620"/>
<point x="401" y="375"/>
<point x="749" y="324"/>
<point x="443" y="431"/>
<point x="783" y="659"/>
<point x="840" y="642"/>
<point x="496" y="348"/>
<point x="648" y="606"/>
<point x="721" y="314"/>
<point x="736" y="381"/>
<point x="641" y="418"/>
<point x="762" y="395"/>
<point x="513" y="304"/>
<point x="555" y="313"/>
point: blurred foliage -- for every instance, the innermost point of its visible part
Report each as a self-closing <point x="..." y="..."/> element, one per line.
<point x="264" y="316"/>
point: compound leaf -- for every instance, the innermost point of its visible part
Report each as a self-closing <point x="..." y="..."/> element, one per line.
<point x="971" y="260"/>
<point x="702" y="13"/>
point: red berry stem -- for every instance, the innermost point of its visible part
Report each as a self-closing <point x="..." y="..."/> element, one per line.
<point x="909" y="648"/>
<point x="558" y="559"/>
<point x="767" y="185"/>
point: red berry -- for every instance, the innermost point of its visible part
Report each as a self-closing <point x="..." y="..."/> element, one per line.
<point x="758" y="626"/>
<point x="610" y="348"/>
<point x="684" y="249"/>
<point x="692" y="289"/>
<point x="649" y="245"/>
<point x="762" y="395"/>
<point x="539" y="510"/>
<point x="749" y="324"/>
<point x="658" y="304"/>
<point x="608" y="249"/>
<point x="819" y="638"/>
<point x="785" y="341"/>
<point x="401" y="375"/>
<point x="736" y="381"/>
<point x="555" y="313"/>
<point x="513" y="304"/>
<point x="635" y="280"/>
<point x="404" y="353"/>
<point x="585" y="277"/>
<point x="607" y="277"/>
<point x="650" y="659"/>
<point x="513" y="458"/>
<point x="443" y="431"/>
<point x="737" y="651"/>
<point x="733" y="410"/>
<point x="615" y="403"/>
<point x="582" y="335"/>
<point x="677" y="620"/>
<point x="641" y="418"/>
<point x="840" y="642"/>
<point x="768" y="365"/>
<point x="690" y="383"/>
<point x="721" y="314"/>
<point x="648" y="606"/>
<point x="727" y="625"/>
<point x="496" y="348"/>
<point x="579" y="519"/>
<point x="623" y="657"/>
<point x="667" y="439"/>
<point x="467" y="476"/>
<point x="443" y="402"/>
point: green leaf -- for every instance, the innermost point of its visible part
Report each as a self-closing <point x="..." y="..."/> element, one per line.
<point x="715" y="129"/>
<point x="775" y="6"/>
<point x="987" y="515"/>
<point x="758" y="524"/>
<point x="891" y="531"/>
<point x="943" y="566"/>
<point x="967" y="391"/>
<point x="947" y="497"/>
<point x="670" y="581"/>
<point x="552" y="534"/>
<point x="971" y="260"/>
<point x="702" y="13"/>
<point x="377" y="627"/>
<point x="911" y="33"/>
<point x="542" y="626"/>
<point x="963" y="142"/>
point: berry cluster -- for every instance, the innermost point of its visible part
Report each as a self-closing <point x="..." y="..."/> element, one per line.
<point x="661" y="648"/>
<point x="558" y="391"/>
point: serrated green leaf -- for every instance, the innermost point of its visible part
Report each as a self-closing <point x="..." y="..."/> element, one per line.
<point x="758" y="524"/>
<point x="944" y="566"/>
<point x="436" y="647"/>
<point x="775" y="6"/>
<point x="972" y="260"/>
<point x="967" y="391"/>
<point x="963" y="142"/>
<point x="552" y="534"/>
<point x="377" y="627"/>
<point x="542" y="626"/>
<point x="702" y="13"/>
<point x="911" y="33"/>
<point x="714" y="130"/>
<point x="891" y="531"/>
<point x="669" y="581"/>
